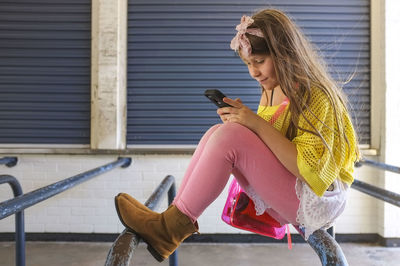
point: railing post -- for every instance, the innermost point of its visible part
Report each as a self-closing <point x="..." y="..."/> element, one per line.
<point x="19" y="220"/>
<point x="326" y="247"/>
<point x="173" y="259"/>
<point x="331" y="231"/>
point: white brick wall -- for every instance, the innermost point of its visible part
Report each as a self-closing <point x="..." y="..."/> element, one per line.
<point x="89" y="207"/>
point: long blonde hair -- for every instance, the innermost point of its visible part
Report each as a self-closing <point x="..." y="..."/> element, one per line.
<point x="298" y="68"/>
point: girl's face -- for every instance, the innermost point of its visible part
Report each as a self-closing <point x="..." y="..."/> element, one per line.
<point x="261" y="68"/>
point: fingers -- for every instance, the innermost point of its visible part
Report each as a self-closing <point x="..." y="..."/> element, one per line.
<point x="225" y="117"/>
<point x="228" y="111"/>
<point x="237" y="103"/>
<point x="231" y="114"/>
<point x="224" y="110"/>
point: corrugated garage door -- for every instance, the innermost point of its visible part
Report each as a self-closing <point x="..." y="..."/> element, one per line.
<point x="179" y="48"/>
<point x="45" y="71"/>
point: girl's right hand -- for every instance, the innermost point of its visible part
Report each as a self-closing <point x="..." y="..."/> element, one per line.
<point x="239" y="113"/>
<point x="224" y="114"/>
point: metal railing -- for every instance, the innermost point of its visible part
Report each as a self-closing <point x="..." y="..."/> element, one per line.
<point x="376" y="192"/>
<point x="19" y="220"/>
<point x="124" y="246"/>
<point x="379" y="165"/>
<point x="21" y="202"/>
<point x="9" y="161"/>
<point x="326" y="247"/>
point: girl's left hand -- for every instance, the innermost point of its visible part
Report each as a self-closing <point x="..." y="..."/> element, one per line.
<point x="238" y="113"/>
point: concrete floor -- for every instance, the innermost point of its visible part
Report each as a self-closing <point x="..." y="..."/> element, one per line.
<point x="93" y="254"/>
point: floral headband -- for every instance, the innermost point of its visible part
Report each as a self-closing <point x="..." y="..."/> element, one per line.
<point x="240" y="41"/>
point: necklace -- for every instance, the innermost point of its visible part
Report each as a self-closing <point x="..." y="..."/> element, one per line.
<point x="272" y="96"/>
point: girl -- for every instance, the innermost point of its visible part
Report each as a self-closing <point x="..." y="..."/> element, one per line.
<point x="297" y="168"/>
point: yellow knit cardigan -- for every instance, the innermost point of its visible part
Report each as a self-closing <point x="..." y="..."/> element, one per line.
<point x="314" y="161"/>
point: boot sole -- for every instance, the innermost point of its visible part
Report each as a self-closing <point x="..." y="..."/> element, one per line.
<point x="152" y="251"/>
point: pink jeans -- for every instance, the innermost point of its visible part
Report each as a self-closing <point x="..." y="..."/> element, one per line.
<point x="233" y="148"/>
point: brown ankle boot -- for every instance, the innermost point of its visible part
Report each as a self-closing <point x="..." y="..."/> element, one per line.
<point x="132" y="199"/>
<point x="163" y="232"/>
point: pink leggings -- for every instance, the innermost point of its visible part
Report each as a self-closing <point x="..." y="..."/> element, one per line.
<point x="233" y="148"/>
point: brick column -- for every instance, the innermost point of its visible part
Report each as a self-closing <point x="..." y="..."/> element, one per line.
<point x="108" y="74"/>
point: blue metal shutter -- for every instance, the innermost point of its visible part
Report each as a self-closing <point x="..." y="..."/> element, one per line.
<point x="179" y="48"/>
<point x="45" y="71"/>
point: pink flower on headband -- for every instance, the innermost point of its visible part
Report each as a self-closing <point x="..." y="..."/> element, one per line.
<point x="240" y="41"/>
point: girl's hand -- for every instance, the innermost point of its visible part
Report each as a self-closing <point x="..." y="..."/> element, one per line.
<point x="238" y="113"/>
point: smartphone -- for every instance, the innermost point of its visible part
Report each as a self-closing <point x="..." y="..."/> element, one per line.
<point x="216" y="97"/>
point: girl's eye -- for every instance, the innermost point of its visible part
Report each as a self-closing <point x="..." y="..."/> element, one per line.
<point x="260" y="61"/>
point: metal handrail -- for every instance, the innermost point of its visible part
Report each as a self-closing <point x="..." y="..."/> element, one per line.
<point x="19" y="203"/>
<point x="19" y="220"/>
<point x="123" y="247"/>
<point x="15" y="205"/>
<point x="376" y="192"/>
<point x="383" y="166"/>
<point x="9" y="161"/>
<point x="328" y="250"/>
<point x="326" y="247"/>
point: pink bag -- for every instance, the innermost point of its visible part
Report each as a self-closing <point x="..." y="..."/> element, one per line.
<point x="239" y="210"/>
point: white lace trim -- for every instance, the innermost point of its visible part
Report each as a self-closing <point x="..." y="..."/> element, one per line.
<point x="319" y="212"/>
<point x="314" y="212"/>
<point x="259" y="205"/>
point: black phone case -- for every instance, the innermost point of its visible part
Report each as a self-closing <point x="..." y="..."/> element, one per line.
<point x="216" y="97"/>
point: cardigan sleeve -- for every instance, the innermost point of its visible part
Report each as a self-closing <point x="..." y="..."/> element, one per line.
<point x="316" y="164"/>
